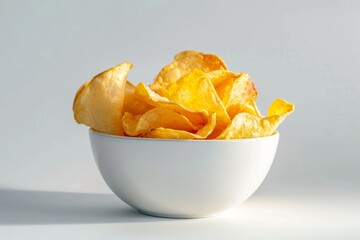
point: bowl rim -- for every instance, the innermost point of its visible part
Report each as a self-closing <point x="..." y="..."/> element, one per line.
<point x="92" y="131"/>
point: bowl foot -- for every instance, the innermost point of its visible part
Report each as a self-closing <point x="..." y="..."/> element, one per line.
<point x="177" y="216"/>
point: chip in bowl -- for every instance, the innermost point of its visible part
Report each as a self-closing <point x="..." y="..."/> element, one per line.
<point x="194" y="97"/>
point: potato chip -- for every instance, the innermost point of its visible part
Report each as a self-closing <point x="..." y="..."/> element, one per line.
<point x="277" y="112"/>
<point x="252" y="108"/>
<point x="243" y="125"/>
<point x="198" y="117"/>
<point x="168" y="133"/>
<point x="99" y="103"/>
<point x="132" y="104"/>
<point x="184" y="62"/>
<point x="208" y="129"/>
<point x="280" y="107"/>
<point x="219" y="76"/>
<point x="269" y="125"/>
<point x="246" y="125"/>
<point x="193" y="97"/>
<point x="180" y="134"/>
<point x="196" y="92"/>
<point x="235" y="90"/>
<point x="135" y="125"/>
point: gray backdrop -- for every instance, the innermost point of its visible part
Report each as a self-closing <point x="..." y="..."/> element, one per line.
<point x="304" y="51"/>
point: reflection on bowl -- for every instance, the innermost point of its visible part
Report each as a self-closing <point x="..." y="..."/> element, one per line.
<point x="183" y="178"/>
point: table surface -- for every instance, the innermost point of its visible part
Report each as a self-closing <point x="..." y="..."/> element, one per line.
<point x="64" y="215"/>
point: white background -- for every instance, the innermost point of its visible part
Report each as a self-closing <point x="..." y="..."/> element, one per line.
<point x="306" y="52"/>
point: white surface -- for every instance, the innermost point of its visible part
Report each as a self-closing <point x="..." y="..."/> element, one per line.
<point x="57" y="215"/>
<point x="183" y="179"/>
<point x="307" y="52"/>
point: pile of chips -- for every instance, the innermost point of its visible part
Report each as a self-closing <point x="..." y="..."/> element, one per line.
<point x="193" y="97"/>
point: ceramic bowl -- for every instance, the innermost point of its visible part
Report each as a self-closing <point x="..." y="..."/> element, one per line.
<point x="183" y="178"/>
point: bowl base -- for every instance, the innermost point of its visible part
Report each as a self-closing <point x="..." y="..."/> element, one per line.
<point x="177" y="216"/>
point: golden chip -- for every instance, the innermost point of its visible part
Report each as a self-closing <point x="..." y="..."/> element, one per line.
<point x="180" y="134"/>
<point x="243" y="125"/>
<point x="99" y="103"/>
<point x="220" y="76"/>
<point x="168" y="133"/>
<point x="198" y="117"/>
<point x="193" y="97"/>
<point x="246" y="125"/>
<point x="132" y="104"/>
<point x="184" y="62"/>
<point x="208" y="129"/>
<point x="280" y="107"/>
<point x="235" y="91"/>
<point x="252" y="108"/>
<point x="196" y="92"/>
<point x="135" y="125"/>
<point x="277" y="112"/>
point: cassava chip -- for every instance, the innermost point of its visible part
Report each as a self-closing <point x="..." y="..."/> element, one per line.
<point x="135" y="125"/>
<point x="197" y="117"/>
<point x="246" y="125"/>
<point x="184" y="62"/>
<point x="180" y="134"/>
<point x="99" y="103"/>
<point x="196" y="92"/>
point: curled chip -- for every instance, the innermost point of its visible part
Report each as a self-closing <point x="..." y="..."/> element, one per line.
<point x="277" y="112"/>
<point x="196" y="91"/>
<point x="246" y="125"/>
<point x="132" y="104"/>
<point x="220" y="76"/>
<point x="99" y="103"/>
<point x="197" y="117"/>
<point x="184" y="62"/>
<point x="243" y="125"/>
<point x="280" y="107"/>
<point x="180" y="134"/>
<point x="135" y="125"/>
<point x="252" y="108"/>
<point x="234" y="90"/>
<point x="169" y="133"/>
<point x="208" y="129"/>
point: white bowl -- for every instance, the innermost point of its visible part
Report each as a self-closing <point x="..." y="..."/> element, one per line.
<point x="183" y="178"/>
